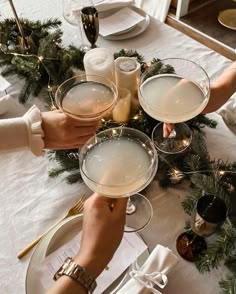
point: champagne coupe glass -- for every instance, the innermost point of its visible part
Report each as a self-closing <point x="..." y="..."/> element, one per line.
<point x="210" y="213"/>
<point x="174" y="98"/>
<point x="72" y="14"/>
<point x="86" y="97"/>
<point x="120" y="162"/>
<point x="89" y="16"/>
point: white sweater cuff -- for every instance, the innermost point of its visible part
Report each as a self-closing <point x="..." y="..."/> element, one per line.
<point x="33" y="121"/>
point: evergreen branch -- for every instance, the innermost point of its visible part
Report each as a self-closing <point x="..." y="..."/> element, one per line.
<point x="190" y="201"/>
<point x="129" y="53"/>
<point x="210" y="185"/>
<point x="228" y="285"/>
<point x="74" y="177"/>
<point x="200" y="121"/>
<point x="25" y="91"/>
<point x="223" y="247"/>
<point x="231" y="263"/>
<point x="55" y="172"/>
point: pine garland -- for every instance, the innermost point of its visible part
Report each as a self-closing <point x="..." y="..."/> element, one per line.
<point x="46" y="64"/>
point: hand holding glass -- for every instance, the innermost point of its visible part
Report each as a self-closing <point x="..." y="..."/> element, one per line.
<point x="173" y="98"/>
<point x="120" y="162"/>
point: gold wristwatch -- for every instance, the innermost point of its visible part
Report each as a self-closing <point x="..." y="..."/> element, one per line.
<point x="78" y="273"/>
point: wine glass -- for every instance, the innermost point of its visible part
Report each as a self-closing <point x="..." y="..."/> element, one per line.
<point x="210" y="213"/>
<point x="72" y="14"/>
<point x="89" y="16"/>
<point x="174" y="98"/>
<point x="86" y="97"/>
<point x="120" y="162"/>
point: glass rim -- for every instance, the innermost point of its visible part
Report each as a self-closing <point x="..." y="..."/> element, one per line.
<point x="142" y="81"/>
<point x="153" y="162"/>
<point x="83" y="77"/>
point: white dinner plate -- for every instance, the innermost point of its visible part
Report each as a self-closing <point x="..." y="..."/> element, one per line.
<point x="57" y="237"/>
<point x="228" y="18"/>
<point x="131" y="32"/>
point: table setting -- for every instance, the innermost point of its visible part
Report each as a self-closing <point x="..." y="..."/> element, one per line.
<point x="113" y="55"/>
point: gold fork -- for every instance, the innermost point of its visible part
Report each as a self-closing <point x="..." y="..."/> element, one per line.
<point x="76" y="209"/>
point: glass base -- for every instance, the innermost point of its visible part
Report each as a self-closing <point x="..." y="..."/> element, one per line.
<point x="190" y="246"/>
<point x="138" y="214"/>
<point x="178" y="140"/>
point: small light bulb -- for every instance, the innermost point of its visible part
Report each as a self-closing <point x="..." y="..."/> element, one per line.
<point x="221" y="172"/>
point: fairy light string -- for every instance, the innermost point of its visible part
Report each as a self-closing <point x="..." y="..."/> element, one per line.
<point x="177" y="175"/>
<point x="40" y="59"/>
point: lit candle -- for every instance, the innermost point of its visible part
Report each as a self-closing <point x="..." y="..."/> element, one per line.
<point x="122" y="109"/>
<point x="99" y="61"/>
<point x="127" y="74"/>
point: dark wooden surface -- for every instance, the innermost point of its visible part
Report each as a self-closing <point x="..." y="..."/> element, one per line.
<point x="205" y="19"/>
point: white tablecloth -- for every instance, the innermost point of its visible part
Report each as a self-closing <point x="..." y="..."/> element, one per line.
<point x="30" y="201"/>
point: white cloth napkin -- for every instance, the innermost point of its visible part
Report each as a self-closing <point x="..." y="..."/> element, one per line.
<point x="228" y="111"/>
<point x="153" y="273"/>
<point x="109" y="4"/>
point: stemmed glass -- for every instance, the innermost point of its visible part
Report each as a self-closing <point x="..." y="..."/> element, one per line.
<point x="210" y="213"/>
<point x="120" y="162"/>
<point x="174" y="98"/>
<point x="72" y="14"/>
<point x="89" y="16"/>
<point x="86" y="97"/>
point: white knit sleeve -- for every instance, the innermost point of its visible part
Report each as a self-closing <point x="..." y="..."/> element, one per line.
<point x="33" y="121"/>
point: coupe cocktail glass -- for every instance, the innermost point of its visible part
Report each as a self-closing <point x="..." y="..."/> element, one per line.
<point x="174" y="98"/>
<point x="86" y="97"/>
<point x="120" y="162"/>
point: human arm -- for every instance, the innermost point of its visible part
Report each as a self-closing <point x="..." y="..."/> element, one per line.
<point x="103" y="227"/>
<point x="222" y="89"/>
<point x="36" y="131"/>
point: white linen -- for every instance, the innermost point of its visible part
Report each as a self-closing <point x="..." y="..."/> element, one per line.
<point x="152" y="274"/>
<point x="31" y="202"/>
<point x="228" y="111"/>
<point x="156" y="8"/>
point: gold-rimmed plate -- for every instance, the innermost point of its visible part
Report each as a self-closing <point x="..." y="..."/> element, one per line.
<point x="57" y="237"/>
<point x="228" y="18"/>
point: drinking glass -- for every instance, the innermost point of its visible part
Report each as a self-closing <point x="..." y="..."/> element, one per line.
<point x="120" y="162"/>
<point x="174" y="98"/>
<point x="89" y="16"/>
<point x="209" y="214"/>
<point x="86" y="97"/>
<point x="72" y="14"/>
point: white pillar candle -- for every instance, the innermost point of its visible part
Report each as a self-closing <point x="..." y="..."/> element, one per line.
<point x="122" y="109"/>
<point x="127" y="74"/>
<point x="100" y="61"/>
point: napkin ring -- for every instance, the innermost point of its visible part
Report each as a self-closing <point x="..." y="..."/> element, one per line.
<point x="78" y="273"/>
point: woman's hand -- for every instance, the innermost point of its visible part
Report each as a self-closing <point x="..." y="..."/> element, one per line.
<point x="64" y="132"/>
<point x="103" y="228"/>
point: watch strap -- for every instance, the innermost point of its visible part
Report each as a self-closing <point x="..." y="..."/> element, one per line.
<point x="78" y="273"/>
